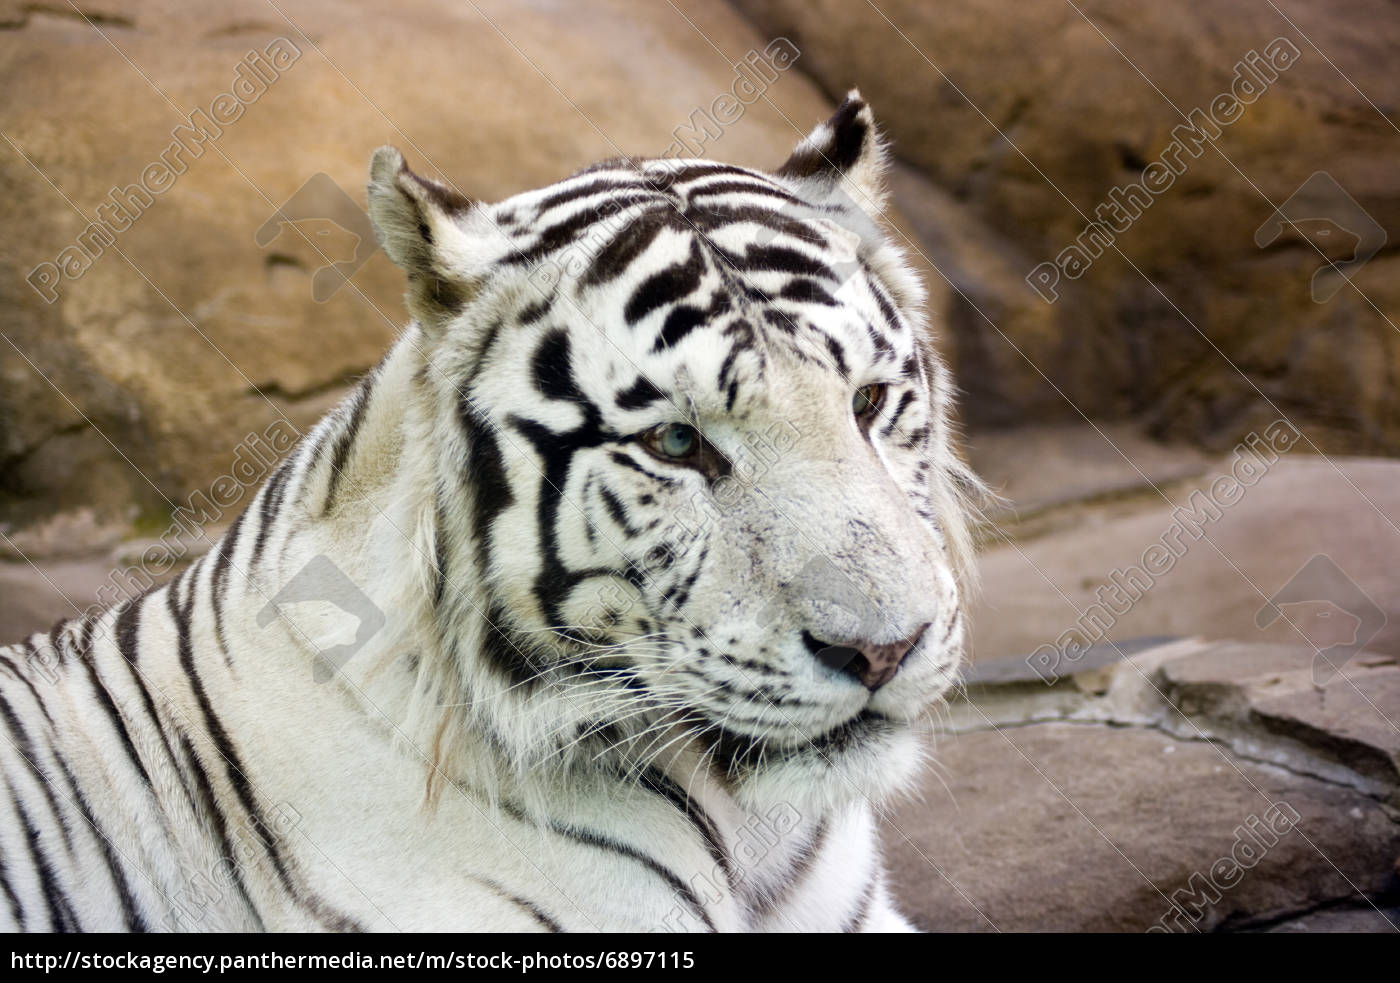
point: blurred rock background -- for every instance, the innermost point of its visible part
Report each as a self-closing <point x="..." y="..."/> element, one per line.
<point x="1095" y="415"/>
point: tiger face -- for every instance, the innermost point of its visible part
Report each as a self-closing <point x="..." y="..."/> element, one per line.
<point x="702" y="440"/>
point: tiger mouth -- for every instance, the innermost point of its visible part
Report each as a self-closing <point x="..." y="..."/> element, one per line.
<point x="736" y="750"/>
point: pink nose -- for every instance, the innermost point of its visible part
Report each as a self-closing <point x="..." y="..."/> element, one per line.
<point x="873" y="664"/>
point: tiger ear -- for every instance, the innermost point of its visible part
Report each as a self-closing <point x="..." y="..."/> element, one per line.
<point x="421" y="225"/>
<point x="843" y="157"/>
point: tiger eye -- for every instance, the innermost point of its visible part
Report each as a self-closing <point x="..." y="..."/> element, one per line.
<point x="867" y="400"/>
<point x="676" y="440"/>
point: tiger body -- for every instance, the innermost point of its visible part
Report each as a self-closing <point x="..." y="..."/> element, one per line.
<point x="569" y="711"/>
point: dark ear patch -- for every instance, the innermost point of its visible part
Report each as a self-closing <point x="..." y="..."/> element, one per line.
<point x="842" y="163"/>
<point x="449" y="200"/>
<point x="836" y="147"/>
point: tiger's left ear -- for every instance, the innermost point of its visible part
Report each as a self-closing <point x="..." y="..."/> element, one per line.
<point x="845" y="156"/>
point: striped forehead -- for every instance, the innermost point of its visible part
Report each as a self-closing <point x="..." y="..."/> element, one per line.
<point x="719" y="261"/>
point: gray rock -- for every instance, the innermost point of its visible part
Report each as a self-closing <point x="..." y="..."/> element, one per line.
<point x="1194" y="786"/>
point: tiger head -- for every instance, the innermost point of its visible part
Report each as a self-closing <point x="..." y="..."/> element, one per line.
<point x="694" y="481"/>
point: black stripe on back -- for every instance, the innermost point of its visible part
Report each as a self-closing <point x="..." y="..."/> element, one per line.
<point x="238" y="778"/>
<point x="345" y="441"/>
<point x="61" y="916"/>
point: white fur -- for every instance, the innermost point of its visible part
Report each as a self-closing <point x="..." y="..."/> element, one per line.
<point x="426" y="794"/>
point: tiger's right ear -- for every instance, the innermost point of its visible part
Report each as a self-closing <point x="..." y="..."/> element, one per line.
<point x="422" y="226"/>
<point x="845" y="158"/>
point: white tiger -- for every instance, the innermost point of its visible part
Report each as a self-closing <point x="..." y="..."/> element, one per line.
<point x="651" y="530"/>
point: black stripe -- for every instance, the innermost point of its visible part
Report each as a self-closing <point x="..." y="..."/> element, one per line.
<point x="618" y="511"/>
<point x="222" y="561"/>
<point x="563" y="234"/>
<point x="601" y="842"/>
<point x="842" y="149"/>
<point x="198" y="783"/>
<point x="678" y="595"/>
<point x="130" y="916"/>
<point x="60" y="912"/>
<point x="345" y="441"/>
<point x="551" y="366"/>
<point x="747" y="185"/>
<point x="674" y="176"/>
<point x="679" y="322"/>
<point x="535" y="912"/>
<point x="666" y="286"/>
<point x="529" y="907"/>
<point x="151" y="714"/>
<point x="128" y="629"/>
<point x="641" y="393"/>
<point x="678" y="797"/>
<point x="109" y="706"/>
<point x="238" y="779"/>
<point x="16" y="909"/>
<point x="268" y="504"/>
<point x="440" y="552"/>
<point x="807" y="291"/>
<point x="33" y="691"/>
<point x="61" y="917"/>
<point x="596" y="186"/>
<point x="618" y="457"/>
<point x="777" y="259"/>
<point x="837" y="352"/>
<point x="886" y="306"/>
<point x="502" y="653"/>
<point x="904" y="403"/>
<point x="613" y="259"/>
<point x="486" y="480"/>
<point x="25" y="745"/>
<point x="531" y="313"/>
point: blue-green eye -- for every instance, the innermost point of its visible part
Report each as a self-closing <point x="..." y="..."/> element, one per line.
<point x="867" y="400"/>
<point x="677" y="440"/>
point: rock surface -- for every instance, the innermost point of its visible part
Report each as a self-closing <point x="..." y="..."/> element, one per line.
<point x="1111" y="798"/>
<point x="1043" y="583"/>
<point x="1027" y="116"/>
<point x="186" y="334"/>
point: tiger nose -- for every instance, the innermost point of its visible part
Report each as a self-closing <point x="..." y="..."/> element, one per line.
<point x="874" y="664"/>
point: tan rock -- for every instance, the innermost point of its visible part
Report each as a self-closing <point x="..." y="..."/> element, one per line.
<point x="186" y="334"/>
<point x="1028" y="115"/>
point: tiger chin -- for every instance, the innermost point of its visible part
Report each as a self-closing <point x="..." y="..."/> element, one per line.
<point x="616" y="597"/>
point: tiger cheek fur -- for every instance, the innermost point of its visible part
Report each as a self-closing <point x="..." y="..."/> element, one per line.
<point x="658" y="501"/>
